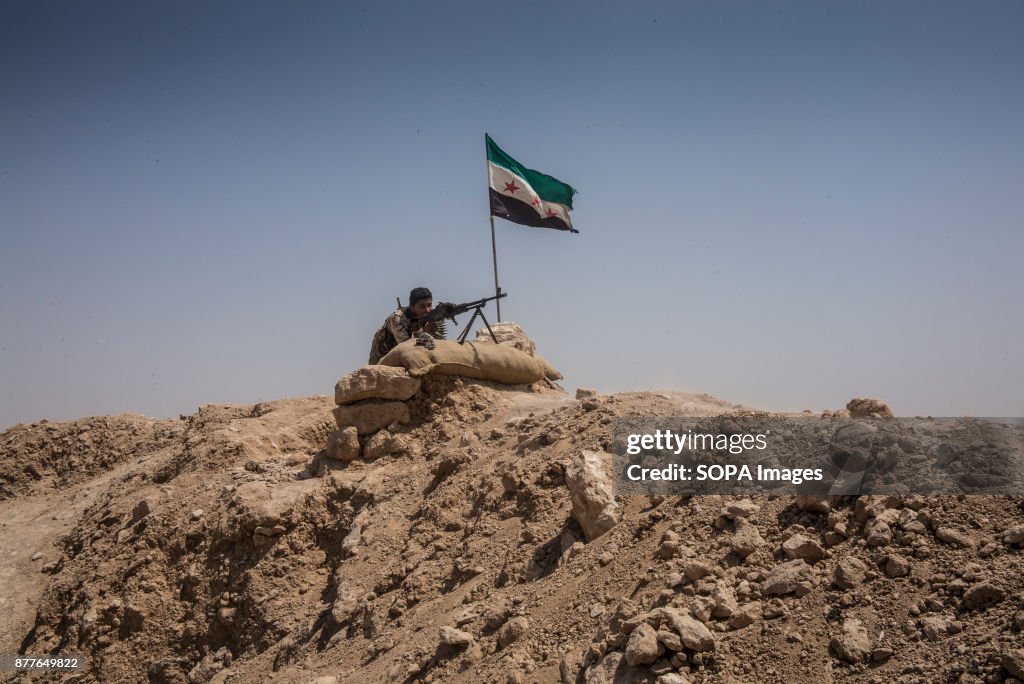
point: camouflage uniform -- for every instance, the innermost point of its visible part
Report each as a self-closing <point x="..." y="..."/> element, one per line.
<point x="399" y="327"/>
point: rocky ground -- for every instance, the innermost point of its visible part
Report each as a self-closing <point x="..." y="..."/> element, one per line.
<point x="475" y="543"/>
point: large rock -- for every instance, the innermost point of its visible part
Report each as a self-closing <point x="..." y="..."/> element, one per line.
<point x="513" y="630"/>
<point x="385" y="444"/>
<point x="345" y="605"/>
<point x="694" y="635"/>
<point x="954" y="537"/>
<point x="850" y="572"/>
<point x="606" y="670"/>
<point x="455" y="637"/>
<point x="852" y="643"/>
<point x="785" y="578"/>
<point x="510" y="333"/>
<point x="868" y="408"/>
<point x="642" y="647"/>
<point x="1013" y="662"/>
<point x="747" y="538"/>
<point x="982" y="595"/>
<point x="375" y="382"/>
<point x="369" y="416"/>
<point x="800" y="546"/>
<point x="343" y="445"/>
<point x="590" y="490"/>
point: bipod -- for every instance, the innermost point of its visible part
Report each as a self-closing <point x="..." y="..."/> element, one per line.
<point x="477" y="311"/>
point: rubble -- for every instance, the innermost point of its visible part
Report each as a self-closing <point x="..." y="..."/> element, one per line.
<point x="478" y="541"/>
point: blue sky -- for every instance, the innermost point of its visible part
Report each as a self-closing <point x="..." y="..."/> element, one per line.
<point x="784" y="205"/>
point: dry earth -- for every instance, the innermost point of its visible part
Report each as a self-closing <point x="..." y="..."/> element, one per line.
<point x="225" y="547"/>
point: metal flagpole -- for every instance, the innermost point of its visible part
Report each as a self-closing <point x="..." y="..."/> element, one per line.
<point x="494" y="255"/>
<point x="494" y="248"/>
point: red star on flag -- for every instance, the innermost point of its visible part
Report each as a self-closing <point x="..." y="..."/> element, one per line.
<point x="550" y="213"/>
<point x="536" y="201"/>
<point x="512" y="187"/>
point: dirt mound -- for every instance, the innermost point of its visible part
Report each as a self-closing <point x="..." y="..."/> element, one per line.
<point x="44" y="454"/>
<point x="242" y="553"/>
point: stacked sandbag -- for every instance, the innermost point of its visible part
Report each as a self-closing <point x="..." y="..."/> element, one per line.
<point x="369" y="400"/>
<point x="481" y="360"/>
<point x="512" y="334"/>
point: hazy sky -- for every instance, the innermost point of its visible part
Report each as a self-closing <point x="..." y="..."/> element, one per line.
<point x="781" y="204"/>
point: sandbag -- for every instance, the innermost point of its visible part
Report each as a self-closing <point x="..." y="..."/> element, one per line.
<point x="481" y="360"/>
<point x="550" y="372"/>
<point x="512" y="334"/>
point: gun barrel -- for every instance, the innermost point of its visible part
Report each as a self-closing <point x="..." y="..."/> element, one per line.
<point x="481" y="302"/>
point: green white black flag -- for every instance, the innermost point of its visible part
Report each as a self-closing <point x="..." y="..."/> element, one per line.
<point x="525" y="196"/>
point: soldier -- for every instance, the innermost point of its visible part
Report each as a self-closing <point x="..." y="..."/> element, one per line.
<point x="404" y="323"/>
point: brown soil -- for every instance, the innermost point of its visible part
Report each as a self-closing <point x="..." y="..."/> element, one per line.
<point x="225" y="547"/>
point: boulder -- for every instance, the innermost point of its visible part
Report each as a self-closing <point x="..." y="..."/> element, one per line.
<point x="1013" y="662"/>
<point x="935" y="627"/>
<point x="744" y="508"/>
<point x="510" y="333"/>
<point x="455" y="637"/>
<point x="370" y="416"/>
<point x="747" y="538"/>
<point x="1014" y="535"/>
<point x="785" y="578"/>
<point x="375" y="382"/>
<point x="344" y="606"/>
<point x="694" y="635"/>
<point x="642" y="647"/>
<point x="800" y="546"/>
<point x="897" y="566"/>
<point x="725" y="602"/>
<point x="343" y="445"/>
<point x="512" y="631"/>
<point x="982" y="595"/>
<point x="590" y="490"/>
<point x="384" y="444"/>
<point x="850" y="572"/>
<point x="868" y="408"/>
<point x="954" y="537"/>
<point x="852" y="643"/>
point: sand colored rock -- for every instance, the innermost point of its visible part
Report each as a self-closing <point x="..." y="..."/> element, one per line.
<point x="370" y="416"/>
<point x="375" y="382"/>
<point x="852" y="643"/>
<point x="510" y="333"/>
<point x="343" y="445"/>
<point x="590" y="489"/>
<point x="642" y="647"/>
<point x="850" y="572"/>
<point x="868" y="408"/>
<point x="785" y="578"/>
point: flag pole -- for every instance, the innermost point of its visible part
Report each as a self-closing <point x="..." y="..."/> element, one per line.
<point x="494" y="255"/>
<point x="494" y="248"/>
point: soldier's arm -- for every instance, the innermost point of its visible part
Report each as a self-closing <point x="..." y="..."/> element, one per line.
<point x="399" y="328"/>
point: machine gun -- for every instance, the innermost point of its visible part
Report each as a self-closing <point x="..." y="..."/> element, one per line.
<point x="448" y="310"/>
